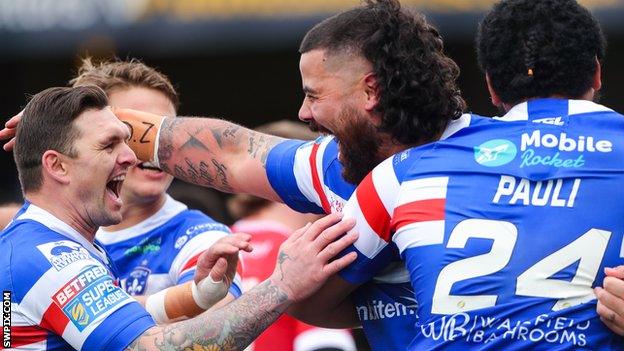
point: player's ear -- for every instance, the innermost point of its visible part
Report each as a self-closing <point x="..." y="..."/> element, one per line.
<point x="496" y="101"/>
<point x="371" y="90"/>
<point x="53" y="164"/>
<point x="597" y="81"/>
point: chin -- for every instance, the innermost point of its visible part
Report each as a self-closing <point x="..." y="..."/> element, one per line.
<point x="112" y="219"/>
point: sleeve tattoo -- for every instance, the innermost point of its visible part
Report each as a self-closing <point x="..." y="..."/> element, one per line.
<point x="232" y="327"/>
<point x="198" y="150"/>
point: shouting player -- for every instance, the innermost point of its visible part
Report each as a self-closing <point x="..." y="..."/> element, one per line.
<point x="349" y="66"/>
<point x="72" y="159"/>
<point x="156" y="245"/>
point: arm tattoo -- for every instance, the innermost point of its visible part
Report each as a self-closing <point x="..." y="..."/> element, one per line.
<point x="280" y="260"/>
<point x="201" y="151"/>
<point x="232" y="327"/>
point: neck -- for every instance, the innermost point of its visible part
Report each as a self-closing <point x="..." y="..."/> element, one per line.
<point x="65" y="210"/>
<point x="281" y="213"/>
<point x="390" y="147"/>
<point x="136" y="211"/>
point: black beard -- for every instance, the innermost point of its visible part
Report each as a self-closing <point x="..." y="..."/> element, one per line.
<point x="359" y="148"/>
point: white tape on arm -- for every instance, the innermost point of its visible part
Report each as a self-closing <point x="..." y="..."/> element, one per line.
<point x="157" y="144"/>
<point x="208" y="292"/>
<point x="155" y="305"/>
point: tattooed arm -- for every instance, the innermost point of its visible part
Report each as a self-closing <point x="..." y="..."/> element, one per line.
<point x="204" y="151"/>
<point x="216" y="153"/>
<point x="304" y="263"/>
<point x="230" y="328"/>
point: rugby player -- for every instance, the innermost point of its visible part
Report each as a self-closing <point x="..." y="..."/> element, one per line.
<point x="508" y="226"/>
<point x="156" y="245"/>
<point x="349" y="66"/>
<point x="72" y="159"/>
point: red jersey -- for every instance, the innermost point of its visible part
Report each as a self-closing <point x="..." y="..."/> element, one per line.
<point x="287" y="333"/>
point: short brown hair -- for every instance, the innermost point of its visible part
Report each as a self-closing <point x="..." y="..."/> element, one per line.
<point x="243" y="205"/>
<point x="111" y="75"/>
<point x="47" y="124"/>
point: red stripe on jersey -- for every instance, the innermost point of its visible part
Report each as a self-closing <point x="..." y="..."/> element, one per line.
<point x="24" y="335"/>
<point x="191" y="262"/>
<point x="240" y="267"/>
<point x="372" y="208"/>
<point x="418" y="211"/>
<point x="54" y="319"/>
<point x="316" y="182"/>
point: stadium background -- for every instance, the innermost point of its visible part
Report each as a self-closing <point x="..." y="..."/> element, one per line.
<point x="235" y="59"/>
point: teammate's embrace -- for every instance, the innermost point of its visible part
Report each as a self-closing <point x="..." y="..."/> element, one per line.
<point x="506" y="227"/>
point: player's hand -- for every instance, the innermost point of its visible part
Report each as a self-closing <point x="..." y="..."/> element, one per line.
<point x="144" y="128"/>
<point x="221" y="259"/>
<point x="610" y="305"/>
<point x="306" y="258"/>
<point x="216" y="269"/>
<point x="8" y="133"/>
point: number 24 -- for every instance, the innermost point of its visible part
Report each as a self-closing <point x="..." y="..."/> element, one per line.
<point x="534" y="282"/>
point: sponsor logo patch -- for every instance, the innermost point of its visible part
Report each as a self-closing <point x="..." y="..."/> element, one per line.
<point x="146" y="246"/>
<point x="63" y="253"/>
<point x="205" y="227"/>
<point x="89" y="295"/>
<point x="496" y="152"/>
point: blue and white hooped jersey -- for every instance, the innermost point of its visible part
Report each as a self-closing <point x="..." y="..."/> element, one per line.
<point x="63" y="290"/>
<point x="162" y="250"/>
<point x="308" y="178"/>
<point x="505" y="228"/>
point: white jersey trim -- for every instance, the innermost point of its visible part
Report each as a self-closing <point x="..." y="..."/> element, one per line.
<point x="47" y="219"/>
<point x="520" y="112"/>
<point x="170" y="209"/>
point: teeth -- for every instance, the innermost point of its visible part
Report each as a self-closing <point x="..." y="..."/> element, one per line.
<point x="119" y="178"/>
<point x="148" y="164"/>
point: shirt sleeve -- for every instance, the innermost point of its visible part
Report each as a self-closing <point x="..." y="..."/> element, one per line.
<point x="198" y="241"/>
<point x="75" y="296"/>
<point x="371" y="206"/>
<point x="290" y="166"/>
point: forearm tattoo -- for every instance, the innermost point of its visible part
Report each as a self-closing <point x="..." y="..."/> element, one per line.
<point x="198" y="150"/>
<point x="232" y="327"/>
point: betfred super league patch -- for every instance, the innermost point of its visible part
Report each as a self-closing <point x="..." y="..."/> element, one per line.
<point x="88" y="296"/>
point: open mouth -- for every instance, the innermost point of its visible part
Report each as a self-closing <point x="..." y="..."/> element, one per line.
<point x="114" y="185"/>
<point x="148" y="166"/>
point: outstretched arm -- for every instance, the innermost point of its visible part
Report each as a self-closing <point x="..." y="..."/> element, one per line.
<point x="208" y="151"/>
<point x="204" y="151"/>
<point x="305" y="261"/>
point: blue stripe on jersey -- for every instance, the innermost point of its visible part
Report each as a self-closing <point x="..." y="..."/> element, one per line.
<point x="235" y="291"/>
<point x="120" y="329"/>
<point x="547" y="108"/>
<point x="186" y="277"/>
<point x="363" y="268"/>
<point x="280" y="172"/>
<point x="332" y="172"/>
